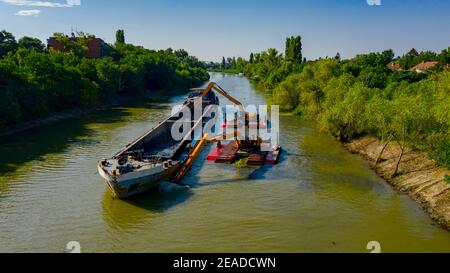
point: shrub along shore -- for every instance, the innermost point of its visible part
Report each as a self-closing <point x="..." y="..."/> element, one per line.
<point x="37" y="82"/>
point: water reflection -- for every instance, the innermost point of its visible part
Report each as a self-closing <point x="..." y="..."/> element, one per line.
<point x="17" y="149"/>
<point x="122" y="215"/>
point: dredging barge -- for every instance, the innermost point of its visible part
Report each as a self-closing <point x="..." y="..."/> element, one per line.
<point x="156" y="156"/>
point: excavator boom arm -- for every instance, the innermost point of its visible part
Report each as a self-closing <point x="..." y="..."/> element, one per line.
<point x="232" y="99"/>
<point x="214" y="86"/>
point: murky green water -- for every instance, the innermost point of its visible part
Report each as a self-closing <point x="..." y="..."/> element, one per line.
<point x="319" y="198"/>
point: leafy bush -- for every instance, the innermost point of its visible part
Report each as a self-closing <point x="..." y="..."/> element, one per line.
<point x="441" y="154"/>
<point x="35" y="83"/>
<point x="447" y="179"/>
<point x="349" y="98"/>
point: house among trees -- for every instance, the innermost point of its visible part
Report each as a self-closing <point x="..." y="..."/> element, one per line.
<point x="92" y="46"/>
<point x="424" y="66"/>
<point x="95" y="48"/>
<point x="395" y="67"/>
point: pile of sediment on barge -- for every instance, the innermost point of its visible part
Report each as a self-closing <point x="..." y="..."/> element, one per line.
<point x="418" y="176"/>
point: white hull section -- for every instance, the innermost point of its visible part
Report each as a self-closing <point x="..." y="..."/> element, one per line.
<point x="133" y="183"/>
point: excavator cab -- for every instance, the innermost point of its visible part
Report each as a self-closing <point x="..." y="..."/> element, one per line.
<point x="209" y="99"/>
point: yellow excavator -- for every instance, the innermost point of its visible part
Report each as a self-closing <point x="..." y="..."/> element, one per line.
<point x="246" y="144"/>
<point x="214" y="86"/>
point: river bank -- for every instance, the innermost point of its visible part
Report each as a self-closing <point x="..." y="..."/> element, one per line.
<point x="55" y="117"/>
<point x="421" y="178"/>
<point x="124" y="100"/>
<point x="225" y="71"/>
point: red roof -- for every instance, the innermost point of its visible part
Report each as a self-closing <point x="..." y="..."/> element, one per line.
<point x="395" y="66"/>
<point x="425" y="66"/>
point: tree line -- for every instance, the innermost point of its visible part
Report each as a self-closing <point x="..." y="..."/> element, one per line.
<point x="228" y="64"/>
<point x="359" y="96"/>
<point x="36" y="81"/>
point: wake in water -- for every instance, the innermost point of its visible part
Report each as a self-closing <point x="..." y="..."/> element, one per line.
<point x="168" y="187"/>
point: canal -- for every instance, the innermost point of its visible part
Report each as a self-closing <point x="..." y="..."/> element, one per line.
<point x="320" y="198"/>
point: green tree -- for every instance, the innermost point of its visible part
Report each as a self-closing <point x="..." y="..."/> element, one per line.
<point x="251" y="59"/>
<point x="31" y="43"/>
<point x="229" y="63"/>
<point x="7" y="43"/>
<point x="224" y="63"/>
<point x="344" y="119"/>
<point x="293" y="50"/>
<point x="240" y="64"/>
<point x="273" y="57"/>
<point x="181" y="54"/>
<point x="444" y="57"/>
<point x="426" y="56"/>
<point x="413" y="53"/>
<point x="338" y="56"/>
<point x="409" y="59"/>
<point x="120" y="36"/>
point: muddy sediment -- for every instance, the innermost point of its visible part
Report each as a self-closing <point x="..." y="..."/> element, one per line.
<point x="418" y="176"/>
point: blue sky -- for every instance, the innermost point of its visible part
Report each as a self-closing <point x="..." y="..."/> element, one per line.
<point x="212" y="29"/>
